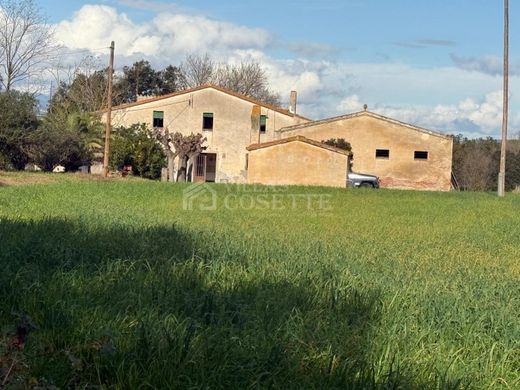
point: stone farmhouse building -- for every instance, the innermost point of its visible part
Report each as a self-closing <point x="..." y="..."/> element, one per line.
<point x="229" y="121"/>
<point x="252" y="142"/>
<point x="401" y="155"/>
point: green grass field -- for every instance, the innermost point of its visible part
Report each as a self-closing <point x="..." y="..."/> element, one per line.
<point x="294" y="288"/>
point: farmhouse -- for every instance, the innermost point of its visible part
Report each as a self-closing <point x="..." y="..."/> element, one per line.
<point x="228" y="120"/>
<point x="402" y="155"/>
<point x="252" y="142"/>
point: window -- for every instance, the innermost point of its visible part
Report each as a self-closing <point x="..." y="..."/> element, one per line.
<point x="158" y="119"/>
<point x="263" y="123"/>
<point x="420" y="155"/>
<point x="382" y="153"/>
<point x="207" y="121"/>
<point x="247" y="161"/>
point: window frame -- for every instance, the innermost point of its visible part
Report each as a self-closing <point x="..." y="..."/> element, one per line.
<point x="264" y="125"/>
<point x="160" y="116"/>
<point x="424" y="153"/>
<point x="384" y="157"/>
<point x="207" y="116"/>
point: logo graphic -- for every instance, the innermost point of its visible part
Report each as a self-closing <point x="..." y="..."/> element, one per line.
<point x="200" y="195"/>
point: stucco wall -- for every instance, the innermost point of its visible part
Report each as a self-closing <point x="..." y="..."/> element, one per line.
<point x="366" y="134"/>
<point x="232" y="128"/>
<point x="297" y="163"/>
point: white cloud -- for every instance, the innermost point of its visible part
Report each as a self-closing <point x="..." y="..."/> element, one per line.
<point x="168" y="34"/>
<point x="449" y="99"/>
<point x="94" y="26"/>
<point x="469" y="117"/>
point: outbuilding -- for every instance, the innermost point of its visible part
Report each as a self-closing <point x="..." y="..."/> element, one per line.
<point x="297" y="161"/>
<point x="400" y="154"/>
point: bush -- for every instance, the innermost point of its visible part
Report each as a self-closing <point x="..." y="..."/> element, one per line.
<point x="136" y="146"/>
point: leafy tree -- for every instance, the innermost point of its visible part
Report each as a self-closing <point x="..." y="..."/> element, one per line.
<point x="52" y="146"/>
<point x="136" y="146"/>
<point x="339" y="143"/>
<point x="171" y="79"/>
<point x="18" y="120"/>
<point x="139" y="79"/>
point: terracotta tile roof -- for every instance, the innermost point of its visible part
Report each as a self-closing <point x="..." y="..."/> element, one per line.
<point x="364" y="113"/>
<point x="205" y="86"/>
<point x="301" y="139"/>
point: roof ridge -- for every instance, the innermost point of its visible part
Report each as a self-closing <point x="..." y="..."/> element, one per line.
<point x="300" y="138"/>
<point x="360" y="113"/>
<point x="205" y="86"/>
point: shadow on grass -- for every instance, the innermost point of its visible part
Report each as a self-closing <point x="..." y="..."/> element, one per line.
<point x="124" y="307"/>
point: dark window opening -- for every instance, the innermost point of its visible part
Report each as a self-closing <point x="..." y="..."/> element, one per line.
<point x="158" y="119"/>
<point x="247" y="161"/>
<point x="263" y="123"/>
<point x="420" y="155"/>
<point x="382" y="153"/>
<point x="207" y="121"/>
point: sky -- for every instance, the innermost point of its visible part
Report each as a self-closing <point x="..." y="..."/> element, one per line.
<point x="436" y="64"/>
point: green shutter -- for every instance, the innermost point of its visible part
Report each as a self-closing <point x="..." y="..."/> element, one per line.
<point x="158" y="115"/>
<point x="263" y="120"/>
<point x="207" y="115"/>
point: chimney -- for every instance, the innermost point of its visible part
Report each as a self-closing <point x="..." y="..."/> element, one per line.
<point x="292" y="104"/>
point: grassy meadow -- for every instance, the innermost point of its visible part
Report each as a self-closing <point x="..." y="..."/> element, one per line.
<point x="277" y="288"/>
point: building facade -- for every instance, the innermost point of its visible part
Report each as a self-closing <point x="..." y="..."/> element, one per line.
<point x="245" y="142"/>
<point x="229" y="122"/>
<point x="402" y="155"/>
<point x="297" y="161"/>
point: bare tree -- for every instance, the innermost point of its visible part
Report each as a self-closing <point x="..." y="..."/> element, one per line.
<point x="198" y="70"/>
<point x="247" y="78"/>
<point x="165" y="139"/>
<point x="186" y="147"/>
<point x="25" y="41"/>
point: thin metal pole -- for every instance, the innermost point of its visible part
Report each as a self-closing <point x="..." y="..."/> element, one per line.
<point x="505" y="113"/>
<point x="108" y="125"/>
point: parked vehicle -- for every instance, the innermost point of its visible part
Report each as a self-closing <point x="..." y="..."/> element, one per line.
<point x="362" y="180"/>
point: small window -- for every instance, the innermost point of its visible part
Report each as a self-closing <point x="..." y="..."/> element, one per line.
<point x="247" y="161"/>
<point x="382" y="153"/>
<point x="420" y="155"/>
<point x="158" y="119"/>
<point x="207" y="121"/>
<point x="263" y="123"/>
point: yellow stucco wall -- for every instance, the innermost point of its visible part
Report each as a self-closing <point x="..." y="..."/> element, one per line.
<point x="232" y="127"/>
<point x="367" y="133"/>
<point x="297" y="163"/>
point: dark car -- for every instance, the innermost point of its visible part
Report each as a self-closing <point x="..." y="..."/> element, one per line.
<point x="362" y="180"/>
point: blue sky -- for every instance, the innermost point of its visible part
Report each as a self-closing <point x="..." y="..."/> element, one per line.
<point x="435" y="64"/>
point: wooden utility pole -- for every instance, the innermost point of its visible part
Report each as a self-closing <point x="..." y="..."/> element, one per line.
<point x="505" y="113"/>
<point x="108" y="125"/>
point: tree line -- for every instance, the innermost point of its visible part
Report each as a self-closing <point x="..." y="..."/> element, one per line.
<point x="476" y="163"/>
<point x="70" y="133"/>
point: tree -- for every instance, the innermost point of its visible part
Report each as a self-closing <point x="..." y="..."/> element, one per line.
<point x="17" y="122"/>
<point x="25" y="41"/>
<point x="65" y="138"/>
<point x="139" y="79"/>
<point x="52" y="145"/>
<point x="339" y="143"/>
<point x="187" y="148"/>
<point x="165" y="139"/>
<point x="247" y="78"/>
<point x="137" y="147"/>
<point x="198" y="70"/>
<point x="171" y="79"/>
